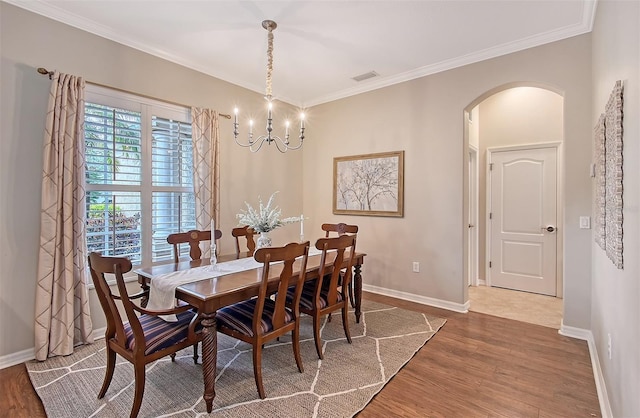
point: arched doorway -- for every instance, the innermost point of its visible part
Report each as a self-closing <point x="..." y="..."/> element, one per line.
<point x="515" y="117"/>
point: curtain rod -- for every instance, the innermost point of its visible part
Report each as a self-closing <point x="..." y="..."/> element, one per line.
<point x="46" y="72"/>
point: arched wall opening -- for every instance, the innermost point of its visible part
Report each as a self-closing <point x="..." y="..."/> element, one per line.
<point x="514" y="115"/>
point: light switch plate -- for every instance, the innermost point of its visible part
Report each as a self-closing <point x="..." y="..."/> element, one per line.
<point x="585" y="222"/>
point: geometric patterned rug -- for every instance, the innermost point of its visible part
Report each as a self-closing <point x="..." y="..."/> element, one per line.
<point x="341" y="385"/>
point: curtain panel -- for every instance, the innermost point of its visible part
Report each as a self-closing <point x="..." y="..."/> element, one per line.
<point x="62" y="318"/>
<point x="206" y="169"/>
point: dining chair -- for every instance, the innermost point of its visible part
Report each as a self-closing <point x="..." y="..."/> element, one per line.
<point x="342" y="229"/>
<point x="193" y="238"/>
<point x="143" y="338"/>
<point x="327" y="293"/>
<point x="247" y="233"/>
<point x="262" y="319"/>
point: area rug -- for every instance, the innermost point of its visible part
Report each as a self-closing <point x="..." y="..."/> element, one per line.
<point x="341" y="385"/>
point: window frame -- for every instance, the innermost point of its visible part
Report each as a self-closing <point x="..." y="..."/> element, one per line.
<point x="147" y="107"/>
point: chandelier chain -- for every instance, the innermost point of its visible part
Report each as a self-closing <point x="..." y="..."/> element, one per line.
<point x="269" y="62"/>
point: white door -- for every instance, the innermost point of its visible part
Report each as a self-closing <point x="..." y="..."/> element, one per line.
<point x="523" y="220"/>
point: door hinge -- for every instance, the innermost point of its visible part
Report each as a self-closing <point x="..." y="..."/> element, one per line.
<point x="490" y="215"/>
<point x="489" y="264"/>
<point x="490" y="166"/>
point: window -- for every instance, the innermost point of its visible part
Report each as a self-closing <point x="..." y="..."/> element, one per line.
<point x="138" y="175"/>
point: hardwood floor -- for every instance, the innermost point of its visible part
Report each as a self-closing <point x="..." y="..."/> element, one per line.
<point x="477" y="365"/>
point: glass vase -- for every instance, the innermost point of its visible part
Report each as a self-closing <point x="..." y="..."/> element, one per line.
<point x="264" y="240"/>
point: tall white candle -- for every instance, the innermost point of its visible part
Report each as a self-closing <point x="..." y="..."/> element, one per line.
<point x="301" y="225"/>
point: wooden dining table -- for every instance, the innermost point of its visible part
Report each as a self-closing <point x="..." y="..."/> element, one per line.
<point x="211" y="294"/>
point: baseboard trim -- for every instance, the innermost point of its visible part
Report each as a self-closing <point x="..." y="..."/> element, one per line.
<point x="601" y="387"/>
<point x="424" y="300"/>
<point x="17" y="358"/>
<point x="30" y="353"/>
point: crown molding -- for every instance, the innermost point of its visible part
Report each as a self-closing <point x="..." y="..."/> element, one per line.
<point x="50" y="11"/>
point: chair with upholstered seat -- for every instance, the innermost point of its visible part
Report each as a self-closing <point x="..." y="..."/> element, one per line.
<point x="193" y="238"/>
<point x="143" y="338"/>
<point x="327" y="293"/>
<point x="247" y="233"/>
<point x="262" y="319"/>
<point x="342" y="229"/>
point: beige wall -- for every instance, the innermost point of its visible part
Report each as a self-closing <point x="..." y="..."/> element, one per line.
<point x="616" y="293"/>
<point x="29" y="41"/>
<point x="425" y="117"/>
<point x="516" y="116"/>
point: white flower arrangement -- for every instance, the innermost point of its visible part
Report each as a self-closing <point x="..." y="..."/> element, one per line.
<point x="266" y="219"/>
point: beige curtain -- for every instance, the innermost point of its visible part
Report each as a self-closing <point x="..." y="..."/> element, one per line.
<point x="206" y="169"/>
<point x="62" y="317"/>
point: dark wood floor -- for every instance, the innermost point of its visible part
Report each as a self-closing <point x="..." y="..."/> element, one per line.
<point x="476" y="366"/>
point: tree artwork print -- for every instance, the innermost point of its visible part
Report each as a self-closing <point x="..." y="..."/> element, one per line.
<point x="369" y="184"/>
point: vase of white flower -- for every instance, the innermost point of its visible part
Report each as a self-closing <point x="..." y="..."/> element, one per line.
<point x="264" y="220"/>
<point x="264" y="240"/>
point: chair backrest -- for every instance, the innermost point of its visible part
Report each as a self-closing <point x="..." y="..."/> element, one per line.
<point x="345" y="248"/>
<point x="287" y="255"/>
<point x="340" y="228"/>
<point x="192" y="238"/>
<point x="99" y="266"/>
<point x="248" y="233"/>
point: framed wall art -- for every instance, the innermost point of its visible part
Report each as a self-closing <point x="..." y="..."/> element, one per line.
<point x="370" y="184"/>
<point x="613" y="175"/>
<point x="600" y="192"/>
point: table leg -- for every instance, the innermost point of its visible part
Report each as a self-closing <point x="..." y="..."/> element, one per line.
<point x="209" y="357"/>
<point x="357" y="279"/>
<point x="145" y="299"/>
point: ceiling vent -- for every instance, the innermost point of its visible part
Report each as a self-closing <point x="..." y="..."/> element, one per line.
<point x="365" y="76"/>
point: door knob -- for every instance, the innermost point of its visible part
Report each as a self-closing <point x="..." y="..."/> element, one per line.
<point x="549" y="228"/>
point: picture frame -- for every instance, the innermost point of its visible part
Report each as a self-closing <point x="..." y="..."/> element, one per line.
<point x="369" y="184"/>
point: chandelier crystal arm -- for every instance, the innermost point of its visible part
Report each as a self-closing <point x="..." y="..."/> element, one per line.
<point x="281" y="145"/>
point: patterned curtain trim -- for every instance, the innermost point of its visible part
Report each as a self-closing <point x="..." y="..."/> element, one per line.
<point x="206" y="170"/>
<point x="62" y="317"/>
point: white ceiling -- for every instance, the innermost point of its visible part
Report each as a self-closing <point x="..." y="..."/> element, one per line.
<point x="320" y="45"/>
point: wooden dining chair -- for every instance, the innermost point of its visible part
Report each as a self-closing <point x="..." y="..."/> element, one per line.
<point x="328" y="293"/>
<point x="143" y="338"/>
<point x="193" y="238"/>
<point x="247" y="233"/>
<point x="262" y="319"/>
<point x="342" y="229"/>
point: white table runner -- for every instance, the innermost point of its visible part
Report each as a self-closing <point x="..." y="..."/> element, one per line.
<point x="162" y="288"/>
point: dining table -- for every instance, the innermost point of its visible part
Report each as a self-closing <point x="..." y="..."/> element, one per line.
<point x="223" y="289"/>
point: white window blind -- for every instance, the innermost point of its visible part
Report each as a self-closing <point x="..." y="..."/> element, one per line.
<point x="139" y="175"/>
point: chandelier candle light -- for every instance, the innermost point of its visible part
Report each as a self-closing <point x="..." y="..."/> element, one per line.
<point x="254" y="145"/>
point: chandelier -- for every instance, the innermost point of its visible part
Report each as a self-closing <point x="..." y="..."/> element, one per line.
<point x="254" y="145"/>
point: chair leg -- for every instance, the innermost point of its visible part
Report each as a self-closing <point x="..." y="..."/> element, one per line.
<point x="316" y="335"/>
<point x="139" y="371"/>
<point x="351" y="299"/>
<point x="345" y="321"/>
<point x="257" y="369"/>
<point x="108" y="375"/>
<point x="195" y="353"/>
<point x="296" y="346"/>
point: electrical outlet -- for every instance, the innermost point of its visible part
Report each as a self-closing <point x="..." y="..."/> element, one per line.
<point x="416" y="267"/>
<point x="609" y="345"/>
